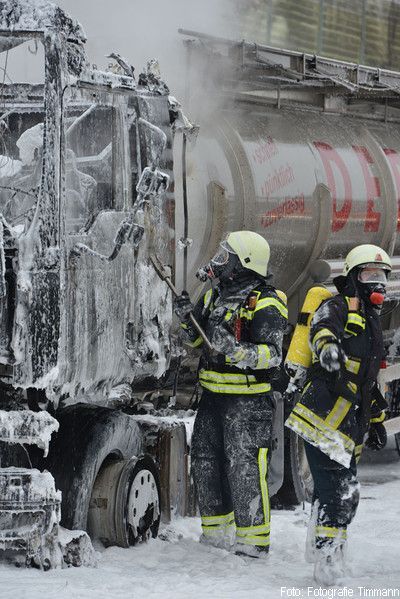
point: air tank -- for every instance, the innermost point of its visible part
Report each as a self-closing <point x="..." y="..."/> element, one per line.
<point x="314" y="184"/>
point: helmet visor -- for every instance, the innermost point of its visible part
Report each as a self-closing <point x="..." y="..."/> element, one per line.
<point x="221" y="258"/>
<point x="370" y="273"/>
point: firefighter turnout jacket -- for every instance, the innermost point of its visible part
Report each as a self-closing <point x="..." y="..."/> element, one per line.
<point x="256" y="314"/>
<point x="335" y="408"/>
<point x="233" y="428"/>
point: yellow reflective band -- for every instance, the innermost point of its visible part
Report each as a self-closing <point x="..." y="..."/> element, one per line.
<point x="380" y="418"/>
<point x="261" y="540"/>
<point x="228" y="315"/>
<point x="247" y="314"/>
<point x="260" y="529"/>
<point x="207" y="298"/>
<point x="305" y="388"/>
<point x="282" y="296"/>
<point x="352" y="365"/>
<point x="184" y="325"/>
<point x="227" y="389"/>
<point x="275" y="303"/>
<point x="211" y="520"/>
<point x="225" y="377"/>
<point x="307" y="431"/>
<point x="263" y="469"/>
<point x="354" y="318"/>
<point x="358" y="452"/>
<point x="352" y="386"/>
<point x="197" y="342"/>
<point x="330" y="442"/>
<point x="338" y="412"/>
<point x="264" y="356"/>
<point x="321" y="425"/>
<point x="331" y="532"/>
<point x="321" y="334"/>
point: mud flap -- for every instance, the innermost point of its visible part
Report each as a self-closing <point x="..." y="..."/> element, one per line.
<point x="276" y="465"/>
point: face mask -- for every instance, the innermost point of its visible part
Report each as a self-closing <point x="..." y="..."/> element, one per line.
<point x="372" y="284"/>
<point x="221" y="266"/>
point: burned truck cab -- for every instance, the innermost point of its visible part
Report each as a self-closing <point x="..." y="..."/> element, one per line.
<point x="80" y="187"/>
<point x="85" y="173"/>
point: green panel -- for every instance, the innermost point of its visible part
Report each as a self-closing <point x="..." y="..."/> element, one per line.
<point x="366" y="31"/>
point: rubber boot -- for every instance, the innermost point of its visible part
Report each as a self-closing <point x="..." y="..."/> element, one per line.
<point x="310" y="553"/>
<point x="254" y="551"/>
<point x="330" y="564"/>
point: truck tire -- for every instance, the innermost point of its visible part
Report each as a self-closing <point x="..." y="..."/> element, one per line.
<point x="91" y="439"/>
<point x="297" y="484"/>
<point x="125" y="502"/>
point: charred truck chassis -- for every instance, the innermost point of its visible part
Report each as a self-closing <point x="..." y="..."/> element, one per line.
<point x="85" y="168"/>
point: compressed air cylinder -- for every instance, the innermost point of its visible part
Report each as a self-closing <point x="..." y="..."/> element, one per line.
<point x="299" y="353"/>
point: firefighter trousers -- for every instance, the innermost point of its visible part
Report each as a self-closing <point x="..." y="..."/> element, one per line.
<point x="230" y="446"/>
<point x="336" y="496"/>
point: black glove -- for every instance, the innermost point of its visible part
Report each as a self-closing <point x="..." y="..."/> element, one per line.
<point x="377" y="436"/>
<point x="183" y="306"/>
<point x="331" y="356"/>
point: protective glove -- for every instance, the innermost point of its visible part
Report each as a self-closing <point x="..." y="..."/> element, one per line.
<point x="183" y="306"/>
<point x="332" y="357"/>
<point x="243" y="355"/>
<point x="377" y="436"/>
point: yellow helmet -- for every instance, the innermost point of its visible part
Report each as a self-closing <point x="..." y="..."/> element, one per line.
<point x="366" y="254"/>
<point x="251" y="249"/>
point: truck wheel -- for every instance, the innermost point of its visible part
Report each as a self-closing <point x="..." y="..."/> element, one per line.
<point x="298" y="483"/>
<point x="125" y="502"/>
<point x="88" y="440"/>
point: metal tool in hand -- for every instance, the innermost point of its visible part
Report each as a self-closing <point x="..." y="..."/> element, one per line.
<point x="164" y="276"/>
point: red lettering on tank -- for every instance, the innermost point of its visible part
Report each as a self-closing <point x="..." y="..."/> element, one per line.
<point x="329" y="156"/>
<point x="280" y="178"/>
<point x="264" y="150"/>
<point x="394" y="161"/>
<point x="373" y="187"/>
<point x="290" y="206"/>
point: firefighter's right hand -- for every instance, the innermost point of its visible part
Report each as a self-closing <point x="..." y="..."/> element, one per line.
<point x="223" y="341"/>
<point x="377" y="436"/>
<point x="332" y="357"/>
<point x="183" y="306"/>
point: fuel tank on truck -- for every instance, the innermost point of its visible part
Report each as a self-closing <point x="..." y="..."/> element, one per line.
<point x="313" y="184"/>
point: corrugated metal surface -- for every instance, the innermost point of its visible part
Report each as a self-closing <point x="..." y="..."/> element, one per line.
<point x="365" y="31"/>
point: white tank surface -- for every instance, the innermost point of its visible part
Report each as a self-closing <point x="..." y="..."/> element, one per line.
<point x="314" y="176"/>
<point x="313" y="185"/>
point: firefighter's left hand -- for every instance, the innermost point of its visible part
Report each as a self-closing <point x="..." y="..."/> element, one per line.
<point x="377" y="436"/>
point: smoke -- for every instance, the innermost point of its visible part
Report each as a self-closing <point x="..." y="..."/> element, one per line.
<point x="141" y="29"/>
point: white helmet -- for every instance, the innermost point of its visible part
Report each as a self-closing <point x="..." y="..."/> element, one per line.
<point x="251" y="249"/>
<point x="367" y="254"/>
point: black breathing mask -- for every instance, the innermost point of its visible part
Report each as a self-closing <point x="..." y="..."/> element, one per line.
<point x="371" y="284"/>
<point x="221" y="266"/>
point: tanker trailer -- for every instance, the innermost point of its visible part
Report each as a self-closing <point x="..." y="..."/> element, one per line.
<point x="304" y="150"/>
<point x="84" y="171"/>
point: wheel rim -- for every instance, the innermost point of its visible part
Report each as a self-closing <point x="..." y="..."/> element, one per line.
<point x="143" y="504"/>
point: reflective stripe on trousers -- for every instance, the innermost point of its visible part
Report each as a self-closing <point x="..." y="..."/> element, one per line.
<point x="258" y="535"/>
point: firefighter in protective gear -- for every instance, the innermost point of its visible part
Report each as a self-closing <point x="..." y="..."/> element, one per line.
<point x="341" y="401"/>
<point x="244" y="316"/>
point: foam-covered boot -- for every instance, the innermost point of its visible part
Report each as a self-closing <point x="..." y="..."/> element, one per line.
<point x="251" y="551"/>
<point x="310" y="553"/>
<point x="224" y="538"/>
<point x="330" y="564"/>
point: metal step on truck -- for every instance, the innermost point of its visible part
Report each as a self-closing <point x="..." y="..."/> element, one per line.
<point x="97" y="173"/>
